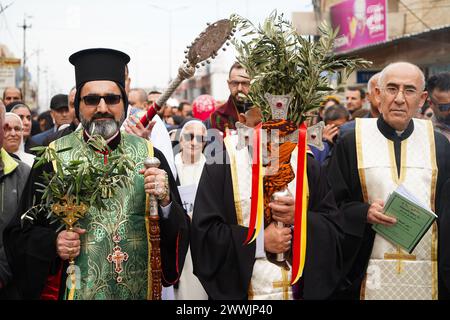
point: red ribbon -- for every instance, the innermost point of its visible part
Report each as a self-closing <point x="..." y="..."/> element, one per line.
<point x="301" y="165"/>
<point x="255" y="181"/>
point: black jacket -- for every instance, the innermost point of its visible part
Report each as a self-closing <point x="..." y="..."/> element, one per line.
<point x="13" y="177"/>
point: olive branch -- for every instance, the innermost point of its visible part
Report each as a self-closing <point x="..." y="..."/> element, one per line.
<point x="85" y="180"/>
<point x="281" y="62"/>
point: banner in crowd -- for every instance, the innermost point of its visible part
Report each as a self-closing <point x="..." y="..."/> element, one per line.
<point x="361" y="23"/>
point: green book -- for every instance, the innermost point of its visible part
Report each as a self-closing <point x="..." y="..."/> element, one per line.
<point x="413" y="219"/>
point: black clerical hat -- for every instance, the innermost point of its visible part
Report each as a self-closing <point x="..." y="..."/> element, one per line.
<point x="99" y="64"/>
<point x="59" y="101"/>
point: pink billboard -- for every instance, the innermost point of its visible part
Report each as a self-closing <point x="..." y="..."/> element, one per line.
<point x="360" y="22"/>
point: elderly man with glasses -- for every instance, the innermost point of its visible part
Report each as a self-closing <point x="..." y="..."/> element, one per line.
<point x="368" y="164"/>
<point x="13" y="177"/>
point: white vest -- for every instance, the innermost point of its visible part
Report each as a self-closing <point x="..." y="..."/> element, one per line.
<point x="392" y="273"/>
<point x="269" y="281"/>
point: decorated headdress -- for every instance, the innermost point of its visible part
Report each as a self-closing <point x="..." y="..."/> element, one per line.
<point x="290" y="77"/>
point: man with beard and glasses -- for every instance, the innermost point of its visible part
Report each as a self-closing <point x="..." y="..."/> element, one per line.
<point x="438" y="87"/>
<point x="39" y="256"/>
<point x="225" y="117"/>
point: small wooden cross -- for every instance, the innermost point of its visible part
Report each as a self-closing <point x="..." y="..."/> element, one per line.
<point x="285" y="284"/>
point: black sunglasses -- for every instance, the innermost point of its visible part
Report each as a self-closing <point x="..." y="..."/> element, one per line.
<point x="94" y="99"/>
<point x="443" y="107"/>
<point x="191" y="136"/>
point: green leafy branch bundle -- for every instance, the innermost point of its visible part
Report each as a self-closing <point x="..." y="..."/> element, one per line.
<point x="85" y="180"/>
<point x="280" y="61"/>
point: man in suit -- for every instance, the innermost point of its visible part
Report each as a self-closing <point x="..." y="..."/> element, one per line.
<point x="61" y="115"/>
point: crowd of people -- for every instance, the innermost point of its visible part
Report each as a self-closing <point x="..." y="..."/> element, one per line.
<point x="394" y="132"/>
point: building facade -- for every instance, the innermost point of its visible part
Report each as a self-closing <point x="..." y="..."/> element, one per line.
<point x="417" y="31"/>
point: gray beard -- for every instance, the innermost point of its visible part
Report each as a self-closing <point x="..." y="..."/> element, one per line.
<point x="105" y="128"/>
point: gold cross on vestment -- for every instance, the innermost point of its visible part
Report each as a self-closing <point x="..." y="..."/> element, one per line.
<point x="69" y="212"/>
<point x="399" y="256"/>
<point x="285" y="284"/>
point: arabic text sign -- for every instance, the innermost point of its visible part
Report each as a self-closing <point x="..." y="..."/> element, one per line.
<point x="360" y="22"/>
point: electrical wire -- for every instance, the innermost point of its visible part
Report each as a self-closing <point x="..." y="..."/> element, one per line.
<point x="16" y="46"/>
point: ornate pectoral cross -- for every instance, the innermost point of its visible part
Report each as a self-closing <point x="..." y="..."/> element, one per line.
<point x="117" y="257"/>
<point x="399" y="255"/>
<point x="285" y="284"/>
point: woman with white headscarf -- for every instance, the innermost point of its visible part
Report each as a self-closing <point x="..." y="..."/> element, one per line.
<point x="13" y="138"/>
<point x="189" y="163"/>
<point x="190" y="160"/>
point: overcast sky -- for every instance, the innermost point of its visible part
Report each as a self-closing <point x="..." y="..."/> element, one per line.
<point x="137" y="27"/>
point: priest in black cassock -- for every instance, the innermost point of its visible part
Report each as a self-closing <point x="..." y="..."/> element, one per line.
<point x="444" y="237"/>
<point x="230" y="269"/>
<point x="111" y="247"/>
<point x="367" y="165"/>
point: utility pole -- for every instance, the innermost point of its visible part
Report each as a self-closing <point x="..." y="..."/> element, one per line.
<point x="38" y="72"/>
<point x="47" y="99"/>
<point x="3" y="8"/>
<point x="24" y="84"/>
